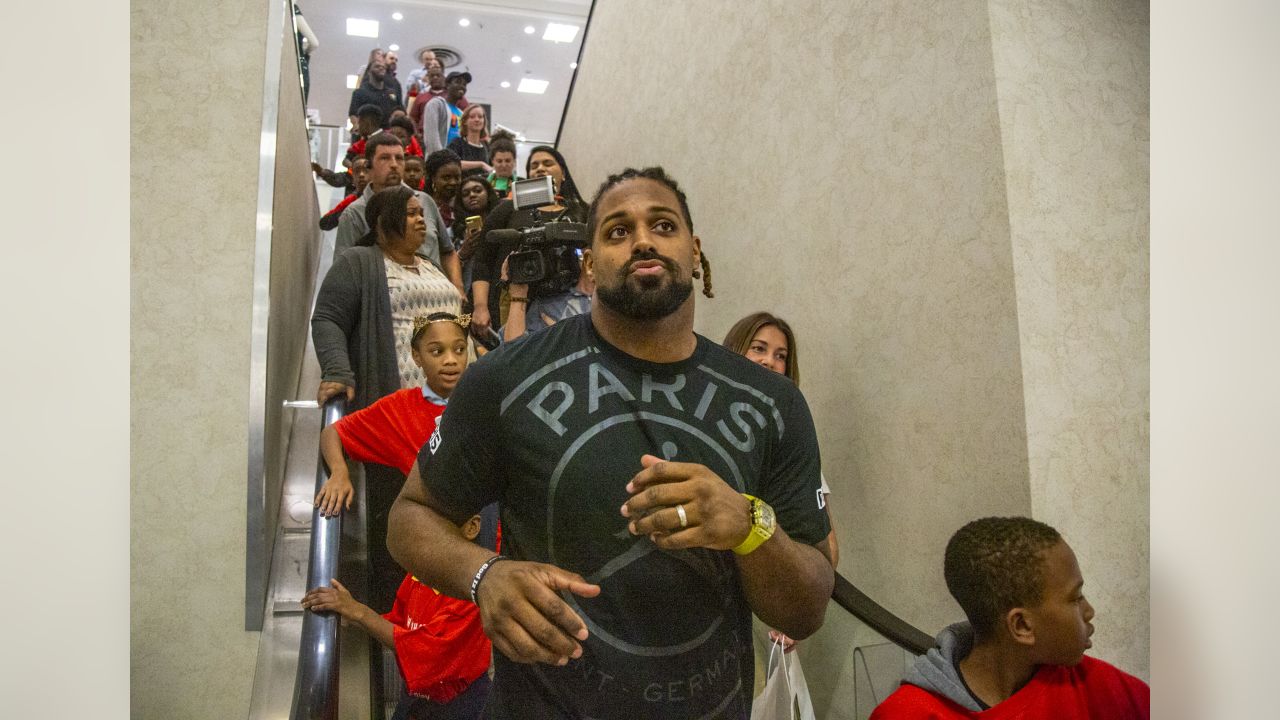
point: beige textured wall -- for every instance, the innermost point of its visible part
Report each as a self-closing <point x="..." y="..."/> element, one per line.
<point x="295" y="255"/>
<point x="196" y="89"/>
<point x="1073" y="95"/>
<point x="869" y="145"/>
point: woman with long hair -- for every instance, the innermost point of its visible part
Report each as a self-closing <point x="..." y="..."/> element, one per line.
<point x="475" y="199"/>
<point x="768" y="340"/>
<point x="544" y="161"/>
<point x="472" y="143"/>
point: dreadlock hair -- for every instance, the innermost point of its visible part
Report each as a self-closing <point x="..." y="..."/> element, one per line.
<point x="657" y="174"/>
<point x="993" y="565"/>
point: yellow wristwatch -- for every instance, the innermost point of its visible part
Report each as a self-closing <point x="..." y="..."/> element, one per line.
<point x="763" y="523"/>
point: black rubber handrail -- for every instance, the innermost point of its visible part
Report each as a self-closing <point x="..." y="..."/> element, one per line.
<point x="315" y="689"/>
<point x="890" y="626"/>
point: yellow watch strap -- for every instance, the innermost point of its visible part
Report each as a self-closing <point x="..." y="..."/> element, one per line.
<point x="758" y="534"/>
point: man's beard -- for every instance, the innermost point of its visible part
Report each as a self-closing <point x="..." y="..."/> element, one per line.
<point x="650" y="301"/>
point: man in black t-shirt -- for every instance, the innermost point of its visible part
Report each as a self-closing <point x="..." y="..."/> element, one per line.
<point x="375" y="90"/>
<point x="630" y="456"/>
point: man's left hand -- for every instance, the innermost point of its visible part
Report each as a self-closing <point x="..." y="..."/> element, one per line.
<point x="715" y="515"/>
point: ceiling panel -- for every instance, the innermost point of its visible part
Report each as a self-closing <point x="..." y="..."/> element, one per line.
<point x="486" y="46"/>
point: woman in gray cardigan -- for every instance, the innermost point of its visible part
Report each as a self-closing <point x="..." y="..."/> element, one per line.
<point x="353" y="326"/>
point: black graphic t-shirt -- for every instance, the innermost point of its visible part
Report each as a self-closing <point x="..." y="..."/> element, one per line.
<point x="553" y="427"/>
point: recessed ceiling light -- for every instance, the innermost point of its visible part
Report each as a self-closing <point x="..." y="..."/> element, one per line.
<point x="529" y="30"/>
<point x="515" y="58"/>
<point x="505" y="84"/>
<point x="560" y="33"/>
<point x="529" y="85"/>
<point x="362" y="28"/>
<point x="352" y="81"/>
<point x="397" y="16"/>
<point x="393" y="47"/>
<point x="573" y="66"/>
<point x="464" y="22"/>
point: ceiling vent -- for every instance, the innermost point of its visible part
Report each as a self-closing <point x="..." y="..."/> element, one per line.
<point x="447" y="56"/>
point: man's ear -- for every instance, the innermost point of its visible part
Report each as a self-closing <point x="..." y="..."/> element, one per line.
<point x="697" y="252"/>
<point x="588" y="263"/>
<point x="1020" y="625"/>
<point x="471" y="528"/>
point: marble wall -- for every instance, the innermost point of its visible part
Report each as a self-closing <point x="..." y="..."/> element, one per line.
<point x="196" y="106"/>
<point x="1074" y="109"/>
<point x="871" y="147"/>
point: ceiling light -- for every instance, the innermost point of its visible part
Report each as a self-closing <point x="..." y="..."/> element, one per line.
<point x="505" y="84"/>
<point x="362" y="28"/>
<point x="560" y="33"/>
<point x="397" y="16"/>
<point x="393" y="47"/>
<point x="529" y="85"/>
<point x="573" y="66"/>
<point x="464" y="22"/>
<point x="515" y="58"/>
<point x="353" y="81"/>
<point x="529" y="30"/>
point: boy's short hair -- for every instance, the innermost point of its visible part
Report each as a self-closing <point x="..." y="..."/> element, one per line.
<point x="403" y="123"/>
<point x="993" y="565"/>
<point x="371" y="111"/>
<point x="415" y="158"/>
<point x="501" y="145"/>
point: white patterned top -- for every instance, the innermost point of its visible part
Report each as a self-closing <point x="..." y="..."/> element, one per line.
<point x="416" y="291"/>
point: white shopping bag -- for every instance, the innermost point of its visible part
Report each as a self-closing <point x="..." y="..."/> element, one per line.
<point x="785" y="695"/>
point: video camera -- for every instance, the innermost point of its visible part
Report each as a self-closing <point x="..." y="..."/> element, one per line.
<point x="546" y="252"/>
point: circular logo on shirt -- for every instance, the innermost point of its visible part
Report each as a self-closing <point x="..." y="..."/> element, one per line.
<point x="653" y="602"/>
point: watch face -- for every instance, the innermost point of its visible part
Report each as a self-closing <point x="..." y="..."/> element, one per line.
<point x="767" y="519"/>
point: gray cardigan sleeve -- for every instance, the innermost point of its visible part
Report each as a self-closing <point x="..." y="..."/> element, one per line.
<point x="435" y="124"/>
<point x="350" y="229"/>
<point x="334" y="321"/>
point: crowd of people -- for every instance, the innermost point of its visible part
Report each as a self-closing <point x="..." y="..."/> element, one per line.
<point x="561" y="474"/>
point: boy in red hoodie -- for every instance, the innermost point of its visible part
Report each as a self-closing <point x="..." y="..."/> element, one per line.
<point x="1021" y="654"/>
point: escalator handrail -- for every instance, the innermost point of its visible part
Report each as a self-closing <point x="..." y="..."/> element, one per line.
<point x="878" y="618"/>
<point x="315" y="689"/>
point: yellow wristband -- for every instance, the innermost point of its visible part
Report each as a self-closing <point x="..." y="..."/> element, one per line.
<point x="762" y="526"/>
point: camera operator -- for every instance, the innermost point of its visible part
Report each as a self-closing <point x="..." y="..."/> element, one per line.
<point x="547" y="310"/>
<point x="544" y="161"/>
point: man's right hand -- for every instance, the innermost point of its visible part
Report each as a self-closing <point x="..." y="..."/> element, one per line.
<point x="480" y="319"/>
<point x="329" y="389"/>
<point x="525" y="617"/>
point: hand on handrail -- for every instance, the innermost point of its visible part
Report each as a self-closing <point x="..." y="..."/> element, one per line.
<point x="330" y="389"/>
<point x="337" y="493"/>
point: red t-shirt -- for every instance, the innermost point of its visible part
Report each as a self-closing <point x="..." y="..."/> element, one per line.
<point x="1092" y="689"/>
<point x="391" y="431"/>
<point x="440" y="646"/>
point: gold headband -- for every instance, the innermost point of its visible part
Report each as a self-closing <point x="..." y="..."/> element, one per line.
<point x="420" y="322"/>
